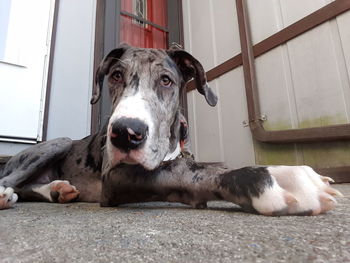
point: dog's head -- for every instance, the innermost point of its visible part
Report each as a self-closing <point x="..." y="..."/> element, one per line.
<point x="145" y="86"/>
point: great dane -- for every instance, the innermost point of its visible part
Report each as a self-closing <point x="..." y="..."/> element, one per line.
<point x="138" y="155"/>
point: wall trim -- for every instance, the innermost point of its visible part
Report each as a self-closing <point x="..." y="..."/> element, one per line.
<point x="49" y="71"/>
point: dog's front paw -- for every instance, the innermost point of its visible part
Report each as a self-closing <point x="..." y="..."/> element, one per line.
<point x="63" y="191"/>
<point x="296" y="190"/>
<point x="7" y="197"/>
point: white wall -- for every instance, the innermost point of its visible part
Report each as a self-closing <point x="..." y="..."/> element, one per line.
<point x="71" y="89"/>
<point x="211" y="35"/>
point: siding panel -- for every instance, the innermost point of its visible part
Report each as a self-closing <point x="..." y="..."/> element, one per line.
<point x="238" y="146"/>
<point x="303" y="83"/>
<point x="211" y="35"/>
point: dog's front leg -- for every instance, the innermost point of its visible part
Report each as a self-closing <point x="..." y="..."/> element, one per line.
<point x="180" y="180"/>
<point x="279" y="190"/>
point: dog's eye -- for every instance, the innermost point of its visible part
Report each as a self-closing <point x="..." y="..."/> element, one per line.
<point x="117" y="76"/>
<point x="165" y="81"/>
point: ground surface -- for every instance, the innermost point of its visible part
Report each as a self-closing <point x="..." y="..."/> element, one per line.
<point x="80" y="232"/>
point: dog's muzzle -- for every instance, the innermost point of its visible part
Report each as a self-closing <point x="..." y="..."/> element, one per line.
<point x="128" y="134"/>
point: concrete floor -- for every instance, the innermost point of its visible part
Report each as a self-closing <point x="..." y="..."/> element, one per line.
<point x="81" y="232"/>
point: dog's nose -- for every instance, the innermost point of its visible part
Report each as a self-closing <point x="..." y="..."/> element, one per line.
<point x="128" y="134"/>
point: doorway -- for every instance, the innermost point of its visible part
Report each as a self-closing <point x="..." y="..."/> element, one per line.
<point x="141" y="23"/>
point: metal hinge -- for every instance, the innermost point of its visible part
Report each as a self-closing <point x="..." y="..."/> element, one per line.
<point x="263" y="118"/>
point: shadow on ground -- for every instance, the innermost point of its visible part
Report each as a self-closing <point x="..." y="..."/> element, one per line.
<point x="161" y="232"/>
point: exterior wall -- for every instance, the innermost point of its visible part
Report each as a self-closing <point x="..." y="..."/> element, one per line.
<point x="70" y="110"/>
<point x="211" y="35"/>
<point x="304" y="83"/>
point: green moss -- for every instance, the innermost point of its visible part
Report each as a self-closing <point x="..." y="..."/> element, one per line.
<point x="320" y="154"/>
<point x="307" y="123"/>
<point x="326" y="154"/>
<point x="274" y="154"/>
<point x="276" y="126"/>
<point x="323" y="121"/>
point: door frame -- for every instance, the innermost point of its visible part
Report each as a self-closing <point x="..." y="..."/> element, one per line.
<point x="106" y="38"/>
<point x="50" y="70"/>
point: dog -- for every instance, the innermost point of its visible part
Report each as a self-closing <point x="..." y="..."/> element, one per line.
<point x="138" y="156"/>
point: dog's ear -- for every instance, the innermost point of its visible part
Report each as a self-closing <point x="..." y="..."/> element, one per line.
<point x="192" y="68"/>
<point x="103" y="70"/>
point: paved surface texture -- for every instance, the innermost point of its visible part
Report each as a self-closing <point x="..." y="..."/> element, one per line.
<point x="81" y="232"/>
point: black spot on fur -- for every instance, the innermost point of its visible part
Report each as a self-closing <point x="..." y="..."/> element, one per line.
<point x="246" y="182"/>
<point x="78" y="161"/>
<point x="30" y="161"/>
<point x="6" y="173"/>
<point x="135" y="82"/>
<point x="154" y="150"/>
<point x="193" y="166"/>
<point x="90" y="162"/>
<point x="196" y="178"/>
<point x="22" y="158"/>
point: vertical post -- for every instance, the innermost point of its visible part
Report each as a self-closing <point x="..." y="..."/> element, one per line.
<point x="248" y="62"/>
<point x="49" y="70"/>
<point x="106" y="38"/>
<point x="98" y="55"/>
